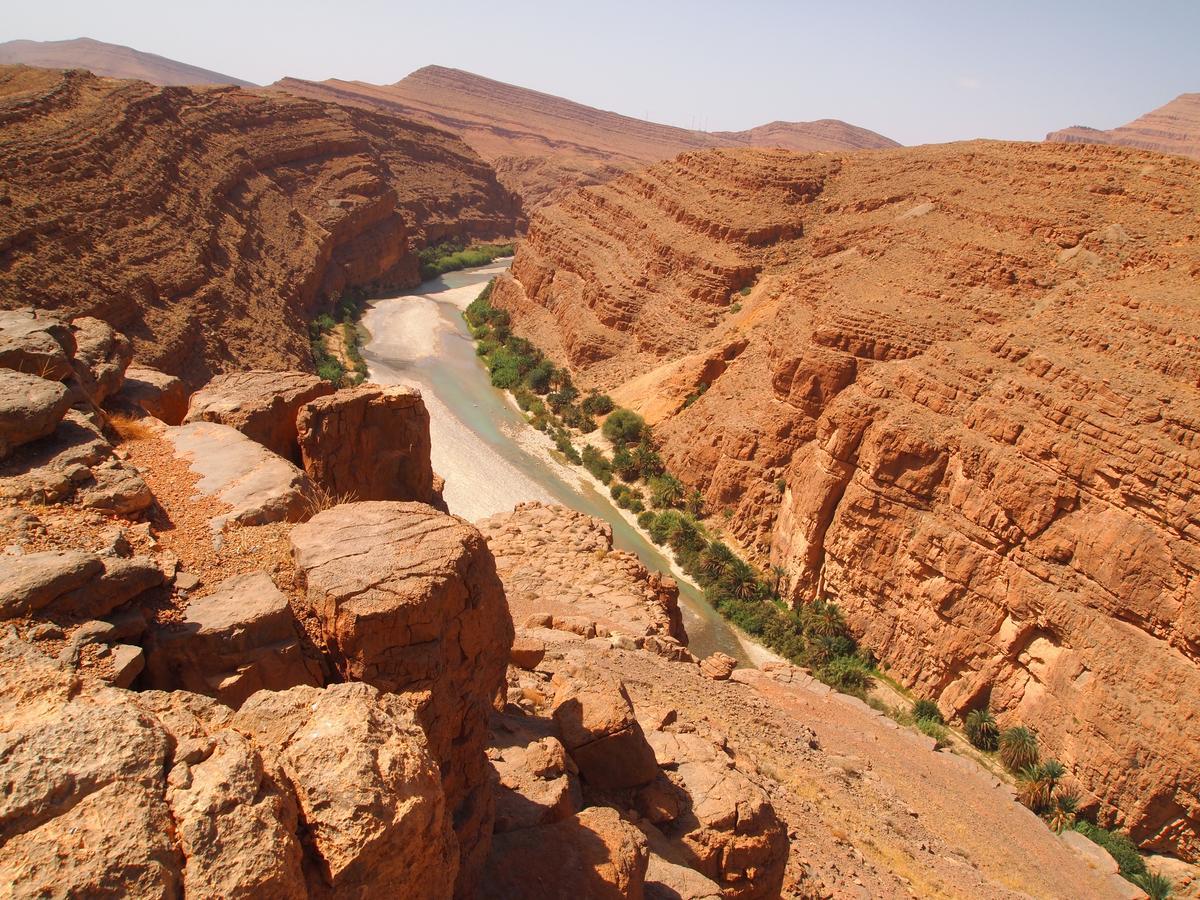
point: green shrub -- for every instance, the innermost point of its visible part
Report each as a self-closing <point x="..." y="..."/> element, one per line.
<point x="450" y="256"/>
<point x="1157" y="887"/>
<point x="981" y="729"/>
<point x="1018" y="748"/>
<point x="595" y="404"/>
<point x="847" y="673"/>
<point x="646" y="519"/>
<point x="935" y="730"/>
<point x="623" y="426"/>
<point x="927" y="710"/>
<point x="597" y="463"/>
<point x="1118" y="845"/>
<point x="331" y="370"/>
<point x="665" y="490"/>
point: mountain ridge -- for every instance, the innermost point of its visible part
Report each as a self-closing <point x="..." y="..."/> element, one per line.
<point x="1172" y="128"/>
<point x="111" y="61"/>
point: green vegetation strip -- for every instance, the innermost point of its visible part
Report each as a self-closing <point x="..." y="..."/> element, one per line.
<point x="347" y="310"/>
<point x="450" y="256"/>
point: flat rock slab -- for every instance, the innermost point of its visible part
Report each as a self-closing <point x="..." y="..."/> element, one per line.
<point x="32" y="581"/>
<point x="259" y="485"/>
<point x="239" y="639"/>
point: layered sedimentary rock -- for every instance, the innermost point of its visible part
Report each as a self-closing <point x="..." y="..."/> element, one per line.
<point x="1172" y="128"/>
<point x="109" y="60"/>
<point x="542" y="145"/>
<point x="210" y="224"/>
<point x="954" y="389"/>
<point x="407" y="600"/>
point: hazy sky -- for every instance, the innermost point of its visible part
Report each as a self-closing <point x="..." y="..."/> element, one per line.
<point x="915" y="71"/>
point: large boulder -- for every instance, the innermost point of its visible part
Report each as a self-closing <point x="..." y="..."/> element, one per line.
<point x="368" y="443"/>
<point x="728" y="830"/>
<point x="101" y="356"/>
<point x="153" y="392"/>
<point x="30" y="408"/>
<point x="33" y="580"/>
<point x="536" y="781"/>
<point x="594" y="855"/>
<point x="368" y="789"/>
<point x="408" y="600"/>
<point x="259" y="486"/>
<point x="239" y="639"/>
<point x="36" y="344"/>
<point x="597" y="724"/>
<point x="260" y="404"/>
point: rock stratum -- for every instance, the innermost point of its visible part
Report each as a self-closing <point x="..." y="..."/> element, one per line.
<point x="1172" y="128"/>
<point x="209" y="225"/>
<point x="955" y="389"/>
<point x="541" y="145"/>
<point x="110" y="61"/>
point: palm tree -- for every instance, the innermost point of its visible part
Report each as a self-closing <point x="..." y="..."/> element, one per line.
<point x="745" y="583"/>
<point x="981" y="729"/>
<point x="1018" y="748"/>
<point x="1053" y="771"/>
<point x="778" y="573"/>
<point x="1063" y="810"/>
<point x="717" y="561"/>
<point x="824" y="619"/>
<point x="1033" y="788"/>
<point x="1157" y="887"/>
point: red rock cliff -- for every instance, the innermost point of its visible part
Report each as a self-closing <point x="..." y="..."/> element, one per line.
<point x="962" y="399"/>
<point x="208" y="223"/>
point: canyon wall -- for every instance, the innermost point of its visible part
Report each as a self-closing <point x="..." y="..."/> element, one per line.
<point x="955" y="389"/>
<point x="209" y="224"/>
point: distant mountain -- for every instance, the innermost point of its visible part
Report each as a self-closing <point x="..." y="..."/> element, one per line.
<point x="541" y="144"/>
<point x="1173" y="128"/>
<point x="110" y="61"/>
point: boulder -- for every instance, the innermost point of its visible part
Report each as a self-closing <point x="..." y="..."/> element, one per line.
<point x="117" y="489"/>
<point x="387" y="426"/>
<point x="258" y="485"/>
<point x="668" y="876"/>
<point x="594" y="855"/>
<point x="728" y="830"/>
<point x="367" y="787"/>
<point x="239" y="639"/>
<point x="30" y="408"/>
<point x="527" y="652"/>
<point x="118" y="582"/>
<point x="36" y="344"/>
<point x="101" y="356"/>
<point x="597" y="725"/>
<point x="408" y="600"/>
<point x="260" y="404"/>
<point x="718" y="666"/>
<point x="536" y="782"/>
<point x="33" y="580"/>
<point x="49" y="471"/>
<point x="155" y="393"/>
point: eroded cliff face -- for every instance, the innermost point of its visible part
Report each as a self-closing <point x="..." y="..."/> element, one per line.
<point x="961" y="398"/>
<point x="1172" y="128"/>
<point x="208" y="223"/>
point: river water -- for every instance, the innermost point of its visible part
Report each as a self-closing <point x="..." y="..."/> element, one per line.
<point x="490" y="457"/>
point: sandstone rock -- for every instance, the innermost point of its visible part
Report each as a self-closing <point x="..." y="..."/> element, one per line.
<point x="526" y="652"/>
<point x="594" y="854"/>
<point x="260" y="486"/>
<point x="31" y="581"/>
<point x="558" y="562"/>
<point x="101" y="357"/>
<point x="668" y="876"/>
<point x="126" y="662"/>
<point x="117" y="489"/>
<point x="117" y="582"/>
<point x="239" y="639"/>
<point x="536" y="781"/>
<point x="387" y="426"/>
<point x="598" y="727"/>
<point x="36" y="344"/>
<point x="49" y="471"/>
<point x="155" y="393"/>
<point x="223" y="282"/>
<point x="260" y="404"/>
<point x="718" y="666"/>
<point x="408" y="600"/>
<point x="729" y="831"/>
<point x="367" y="787"/>
<point x="30" y="408"/>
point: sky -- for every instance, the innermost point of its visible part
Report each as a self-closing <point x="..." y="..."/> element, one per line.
<point x="918" y="72"/>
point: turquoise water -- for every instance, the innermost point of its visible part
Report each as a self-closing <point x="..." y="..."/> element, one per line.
<point x="482" y="444"/>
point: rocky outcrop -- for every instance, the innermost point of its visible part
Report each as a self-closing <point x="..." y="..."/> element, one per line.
<point x="959" y="398"/>
<point x="542" y="146"/>
<point x="240" y="639"/>
<point x="217" y="221"/>
<point x="257" y="485"/>
<point x="407" y="600"/>
<point x="556" y="562"/>
<point x="1172" y="128"/>
<point x="368" y="443"/>
<point x="260" y="404"/>
<point x="101" y="356"/>
<point x="536" y="780"/>
<point x="30" y="408"/>
<point x="154" y="393"/>
<point x="36" y="344"/>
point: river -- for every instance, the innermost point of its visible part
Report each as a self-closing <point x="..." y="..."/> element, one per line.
<point x="490" y="457"/>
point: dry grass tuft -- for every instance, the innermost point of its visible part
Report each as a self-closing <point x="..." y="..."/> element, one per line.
<point x="129" y="428"/>
<point x="318" y="499"/>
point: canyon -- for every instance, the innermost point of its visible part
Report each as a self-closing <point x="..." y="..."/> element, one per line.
<point x="542" y="146"/>
<point x="211" y="225"/>
<point x="1171" y="128"/>
<point x="954" y="389"/>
